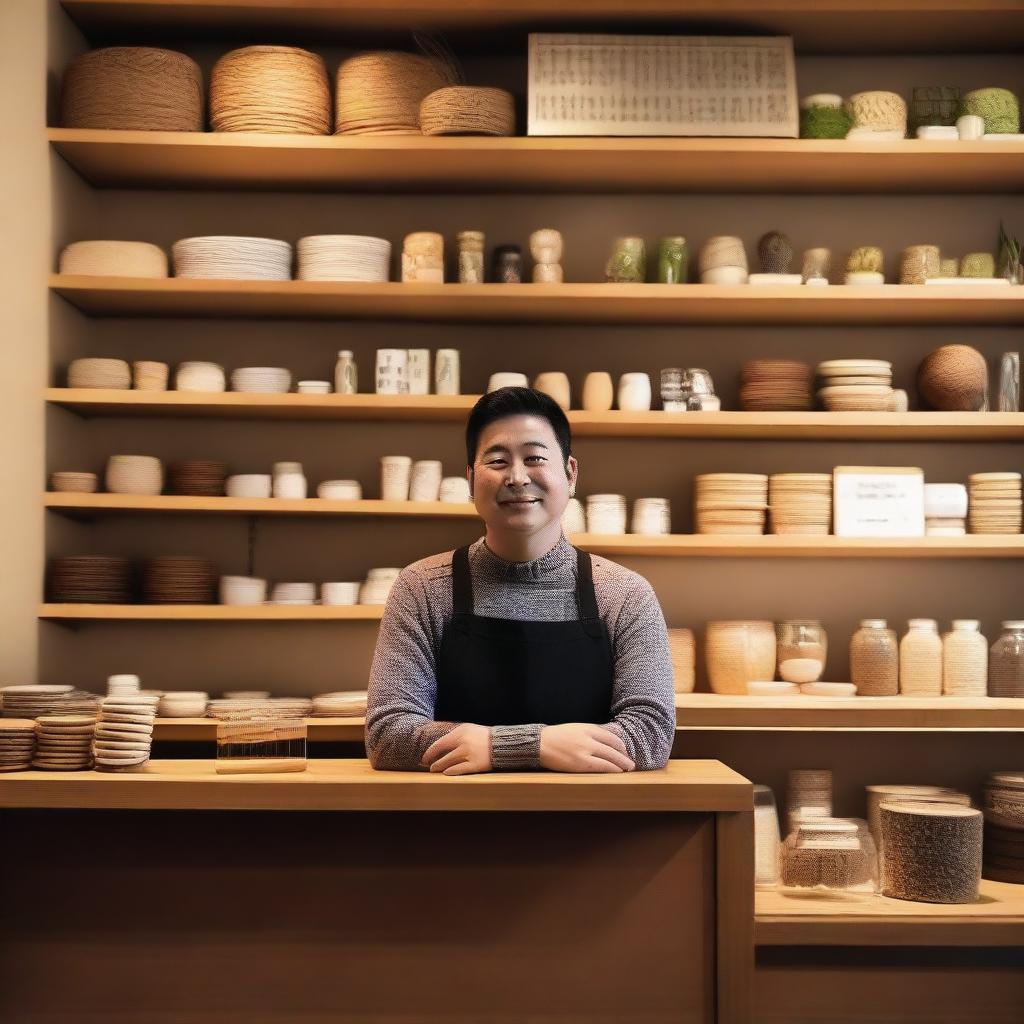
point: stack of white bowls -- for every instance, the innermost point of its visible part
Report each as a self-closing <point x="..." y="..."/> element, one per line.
<point x="199" y="376"/>
<point x="134" y="474"/>
<point x="606" y="513"/>
<point x="119" y="685"/>
<point x="267" y="380"/>
<point x="344" y="258"/>
<point x="242" y="590"/>
<point x="651" y="517"/>
<point x="454" y="490"/>
<point x="293" y="593"/>
<point x="507" y="379"/>
<point x="340" y="490"/>
<point x="99" y="373"/>
<point x="339" y="593"/>
<point x="341" y="704"/>
<point x="233" y="258"/>
<point x="313" y="387"/>
<point x="377" y="586"/>
<point x="574" y="519"/>
<point x="248" y="485"/>
<point x="183" y="704"/>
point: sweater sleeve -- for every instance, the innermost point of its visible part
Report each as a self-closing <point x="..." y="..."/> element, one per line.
<point x="643" y="710"/>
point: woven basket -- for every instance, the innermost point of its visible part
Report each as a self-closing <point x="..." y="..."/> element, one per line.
<point x="270" y="89"/>
<point x="133" y="88"/>
<point x="468" y="110"/>
<point x="102" y="258"/>
<point x="380" y="93"/>
<point x="880" y="111"/>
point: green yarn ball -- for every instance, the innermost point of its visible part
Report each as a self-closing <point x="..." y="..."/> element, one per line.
<point x="825" y="123"/>
<point x="978" y="264"/>
<point x="997" y="107"/>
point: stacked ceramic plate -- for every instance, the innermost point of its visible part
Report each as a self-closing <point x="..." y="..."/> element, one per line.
<point x="856" y="385"/>
<point x="293" y="593"/>
<point x="945" y="510"/>
<point x="731" y="503"/>
<point x="800" y="503"/>
<point x="242" y="590"/>
<point x="780" y="385"/>
<point x="1004" y="827"/>
<point x="178" y="579"/>
<point x="340" y="490"/>
<point x="73" y="482"/>
<point x="64" y="742"/>
<point x="995" y="502"/>
<point x="378" y="585"/>
<point x="122" y="684"/>
<point x="17" y="744"/>
<point x="100" y="373"/>
<point x="134" y="474"/>
<point x="201" y="477"/>
<point x="31" y="701"/>
<point x="200" y="376"/>
<point x="233" y="258"/>
<point x="91" y="579"/>
<point x="341" y="704"/>
<point x="114" y="259"/>
<point x="651" y="517"/>
<point x="266" y="707"/>
<point x="183" y="704"/>
<point x="606" y="513"/>
<point x="268" y="380"/>
<point x="344" y="258"/>
<point x="124" y="733"/>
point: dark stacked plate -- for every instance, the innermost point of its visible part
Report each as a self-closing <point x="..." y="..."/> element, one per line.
<point x="202" y="478"/>
<point x="775" y="385"/>
<point x="1004" y="827"/>
<point x="91" y="579"/>
<point x="178" y="579"/>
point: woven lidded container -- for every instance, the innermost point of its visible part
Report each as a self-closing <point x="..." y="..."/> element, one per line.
<point x="140" y="88"/>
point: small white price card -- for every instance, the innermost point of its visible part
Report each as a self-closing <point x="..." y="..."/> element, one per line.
<point x="878" y="501"/>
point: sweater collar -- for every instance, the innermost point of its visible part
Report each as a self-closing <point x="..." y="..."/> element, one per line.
<point x="491" y="567"/>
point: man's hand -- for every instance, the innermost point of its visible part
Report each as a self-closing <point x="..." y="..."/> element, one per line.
<point x="466" y="750"/>
<point x="581" y="747"/>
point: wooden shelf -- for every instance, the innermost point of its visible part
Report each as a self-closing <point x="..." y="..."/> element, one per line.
<point x="209" y="613"/>
<point x="838" y="26"/>
<point x="814" y="919"/>
<point x="709" y="711"/>
<point x="135" y="159"/>
<point x="540" y="303"/>
<point x="319" y="730"/>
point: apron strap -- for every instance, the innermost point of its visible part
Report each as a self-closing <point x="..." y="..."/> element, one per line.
<point x="586" y="599"/>
<point x="462" y="583"/>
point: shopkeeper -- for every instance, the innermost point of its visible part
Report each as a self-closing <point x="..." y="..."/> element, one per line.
<point x="518" y="651"/>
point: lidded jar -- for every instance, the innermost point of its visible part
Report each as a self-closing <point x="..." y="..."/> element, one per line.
<point x="921" y="659"/>
<point x="964" y="660"/>
<point x="1006" y="662"/>
<point x="801" y="646"/>
<point x="875" y="659"/>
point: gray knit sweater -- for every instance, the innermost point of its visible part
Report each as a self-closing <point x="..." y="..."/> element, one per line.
<point x="400" y="721"/>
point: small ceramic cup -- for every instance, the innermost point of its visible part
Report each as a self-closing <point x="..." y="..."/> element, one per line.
<point x="634" y="392"/>
<point x="555" y="384"/>
<point x="395" y="472"/>
<point x="598" y="391"/>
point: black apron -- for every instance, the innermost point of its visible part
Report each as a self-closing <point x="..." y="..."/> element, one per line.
<point x="508" y="672"/>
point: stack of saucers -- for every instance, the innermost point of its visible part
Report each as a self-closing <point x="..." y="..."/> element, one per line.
<point x="856" y="385"/>
<point x="1004" y="827"/>
<point x="775" y="385"/>
<point x="233" y="258"/>
<point x="344" y="258"/>
<point x="731" y="503"/>
<point x="64" y="742"/>
<point x="995" y="502"/>
<point x="178" y="579"/>
<point x="242" y="590"/>
<point x="31" y="701"/>
<point x="199" y="376"/>
<point x="200" y="477"/>
<point x="606" y="514"/>
<point x="123" y="684"/>
<point x="91" y="579"/>
<point x="259" y="707"/>
<point x="124" y="733"/>
<point x="378" y="585"/>
<point x="800" y="503"/>
<point x="71" y="481"/>
<point x="17" y="744"/>
<point x="293" y="593"/>
<point x="651" y="517"/>
<point x="100" y="373"/>
<point x="183" y="704"/>
<point x="267" y="380"/>
<point x="341" y="704"/>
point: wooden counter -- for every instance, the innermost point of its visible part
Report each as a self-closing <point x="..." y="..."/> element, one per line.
<point x="550" y="899"/>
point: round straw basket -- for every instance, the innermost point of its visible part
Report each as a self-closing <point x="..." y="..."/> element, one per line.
<point x="133" y="88"/>
<point x="103" y="258"/>
<point x="468" y="110"/>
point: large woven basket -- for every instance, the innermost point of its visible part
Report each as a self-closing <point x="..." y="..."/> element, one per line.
<point x="468" y="110"/>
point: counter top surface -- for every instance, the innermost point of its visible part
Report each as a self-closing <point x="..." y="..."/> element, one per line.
<point x="352" y="785"/>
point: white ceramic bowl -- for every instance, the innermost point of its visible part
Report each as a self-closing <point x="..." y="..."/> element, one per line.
<point x="200" y="376"/>
<point x="507" y="380"/>
<point x="248" y="485"/>
<point x="455" y="490"/>
<point x="339" y="593"/>
<point x="242" y="590"/>
<point x="340" y="490"/>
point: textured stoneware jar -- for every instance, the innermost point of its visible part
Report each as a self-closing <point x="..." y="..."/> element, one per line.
<point x="598" y="392"/>
<point x="921" y="659"/>
<point x="964" y="660"/>
<point x="875" y="659"/>
<point x="739" y="652"/>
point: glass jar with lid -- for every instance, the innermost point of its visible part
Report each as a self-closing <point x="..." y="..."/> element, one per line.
<point x="1006" y="662"/>
<point x="801" y="647"/>
<point x="964" y="660"/>
<point x="875" y="659"/>
<point x="921" y="659"/>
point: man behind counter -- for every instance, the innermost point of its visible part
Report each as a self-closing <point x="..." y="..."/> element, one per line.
<point x="519" y="652"/>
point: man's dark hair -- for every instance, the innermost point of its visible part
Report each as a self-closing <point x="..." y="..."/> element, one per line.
<point x="505" y="402"/>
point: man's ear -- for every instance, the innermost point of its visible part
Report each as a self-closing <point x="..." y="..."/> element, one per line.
<point x="469" y="477"/>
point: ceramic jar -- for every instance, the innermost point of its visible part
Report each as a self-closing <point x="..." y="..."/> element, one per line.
<point x="628" y="262"/>
<point x="395" y="473"/>
<point x="1006" y="662"/>
<point x="425" y="481"/>
<point x="556" y="385"/>
<point x="419" y="371"/>
<point x="964" y="660"/>
<point x="392" y="376"/>
<point x="737" y="653"/>
<point x="471" y="257"/>
<point x="598" y="392"/>
<point x="875" y="659"/>
<point x="508" y="264"/>
<point x="289" y="480"/>
<point x="921" y="659"/>
<point x="634" y="392"/>
<point x="446" y="371"/>
<point x="345" y="374"/>
<point x="606" y="514"/>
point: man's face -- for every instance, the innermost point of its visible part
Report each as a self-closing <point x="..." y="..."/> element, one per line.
<point x="520" y="481"/>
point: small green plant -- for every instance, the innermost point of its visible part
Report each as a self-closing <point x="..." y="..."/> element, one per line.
<point x="1009" y="255"/>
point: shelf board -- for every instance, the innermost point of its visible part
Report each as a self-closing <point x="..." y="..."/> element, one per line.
<point x="772" y="426"/>
<point x="138" y="159"/>
<point x="319" y="730"/>
<point x="209" y="613"/>
<point x="835" y="26"/>
<point x="542" y="303"/>
<point x="856" y="919"/>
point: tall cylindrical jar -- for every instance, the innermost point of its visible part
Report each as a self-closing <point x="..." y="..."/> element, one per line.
<point x="1006" y="662"/>
<point x="921" y="659"/>
<point x="345" y="376"/>
<point x="875" y="659"/>
<point x="964" y="660"/>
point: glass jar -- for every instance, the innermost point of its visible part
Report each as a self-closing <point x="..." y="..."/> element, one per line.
<point x="801" y="648"/>
<point x="1006" y="662"/>
<point x="921" y="659"/>
<point x="829" y="853"/>
<point x="964" y="660"/>
<point x="875" y="659"/>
